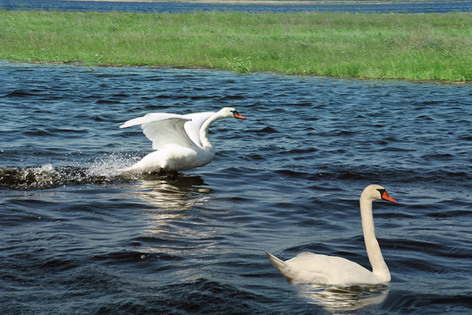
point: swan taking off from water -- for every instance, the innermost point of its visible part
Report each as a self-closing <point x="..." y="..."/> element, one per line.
<point x="181" y="141"/>
<point x="313" y="268"/>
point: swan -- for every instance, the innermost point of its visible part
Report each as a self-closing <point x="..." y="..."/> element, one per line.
<point x="311" y="268"/>
<point x="181" y="141"/>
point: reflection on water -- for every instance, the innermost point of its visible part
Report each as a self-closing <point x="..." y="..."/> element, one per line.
<point x="178" y="193"/>
<point x="172" y="225"/>
<point x="344" y="299"/>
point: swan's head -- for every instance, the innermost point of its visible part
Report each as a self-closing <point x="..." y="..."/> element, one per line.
<point x="228" y="112"/>
<point x="377" y="192"/>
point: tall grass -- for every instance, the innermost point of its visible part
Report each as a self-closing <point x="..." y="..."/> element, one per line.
<point x="396" y="46"/>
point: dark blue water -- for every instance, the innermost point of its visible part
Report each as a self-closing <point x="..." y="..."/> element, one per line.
<point x="438" y="6"/>
<point x="77" y="238"/>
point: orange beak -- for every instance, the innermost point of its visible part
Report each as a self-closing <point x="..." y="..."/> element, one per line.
<point x="238" y="116"/>
<point x="385" y="196"/>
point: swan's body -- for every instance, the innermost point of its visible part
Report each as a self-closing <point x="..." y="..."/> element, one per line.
<point x="330" y="270"/>
<point x="181" y="141"/>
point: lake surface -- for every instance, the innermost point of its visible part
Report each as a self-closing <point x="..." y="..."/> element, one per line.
<point x="78" y="238"/>
<point x="439" y="6"/>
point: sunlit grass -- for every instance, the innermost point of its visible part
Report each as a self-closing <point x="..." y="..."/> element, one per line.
<point x="397" y="46"/>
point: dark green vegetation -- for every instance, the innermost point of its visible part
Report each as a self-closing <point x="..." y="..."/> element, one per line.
<point x="387" y="46"/>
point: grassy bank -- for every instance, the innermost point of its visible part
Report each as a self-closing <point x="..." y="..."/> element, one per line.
<point x="393" y="46"/>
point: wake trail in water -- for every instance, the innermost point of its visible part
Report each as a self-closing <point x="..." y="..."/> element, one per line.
<point x="50" y="176"/>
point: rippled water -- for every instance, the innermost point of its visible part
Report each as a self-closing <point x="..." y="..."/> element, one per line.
<point x="77" y="238"/>
<point x="436" y="6"/>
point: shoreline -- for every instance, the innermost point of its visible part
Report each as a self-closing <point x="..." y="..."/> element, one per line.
<point x="273" y="2"/>
<point x="81" y="64"/>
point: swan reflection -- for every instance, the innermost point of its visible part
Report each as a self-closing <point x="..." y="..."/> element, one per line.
<point x="177" y="193"/>
<point x="170" y="226"/>
<point x="343" y="299"/>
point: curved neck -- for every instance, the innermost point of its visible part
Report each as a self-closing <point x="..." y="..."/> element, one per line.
<point x="379" y="267"/>
<point x="204" y="130"/>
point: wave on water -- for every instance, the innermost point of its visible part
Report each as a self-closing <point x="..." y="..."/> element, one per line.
<point x="369" y="173"/>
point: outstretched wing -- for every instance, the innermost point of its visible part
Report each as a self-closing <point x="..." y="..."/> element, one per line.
<point x="163" y="129"/>
<point x="193" y="126"/>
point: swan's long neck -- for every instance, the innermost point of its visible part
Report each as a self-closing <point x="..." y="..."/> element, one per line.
<point x="204" y="131"/>
<point x="379" y="267"/>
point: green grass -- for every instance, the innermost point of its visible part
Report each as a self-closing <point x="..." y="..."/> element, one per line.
<point x="385" y="46"/>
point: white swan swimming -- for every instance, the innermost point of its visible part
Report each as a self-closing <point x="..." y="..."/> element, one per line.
<point x="313" y="268"/>
<point x="181" y="141"/>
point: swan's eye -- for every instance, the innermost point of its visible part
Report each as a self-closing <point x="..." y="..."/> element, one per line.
<point x="384" y="195"/>
<point x="382" y="192"/>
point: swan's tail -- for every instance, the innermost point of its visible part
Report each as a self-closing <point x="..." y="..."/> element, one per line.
<point x="279" y="264"/>
<point x="136" y="170"/>
<point x="130" y="169"/>
<point x="289" y="274"/>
